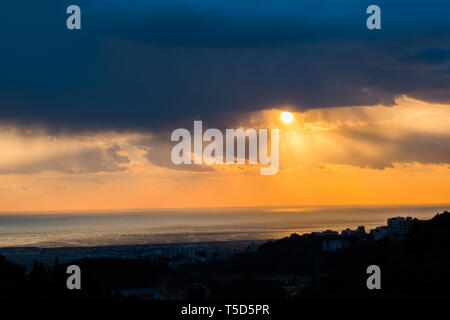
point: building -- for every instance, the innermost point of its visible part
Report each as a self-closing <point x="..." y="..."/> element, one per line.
<point x="348" y="233"/>
<point x="223" y="254"/>
<point x="326" y="233"/>
<point x="251" y="248"/>
<point x="169" y="252"/>
<point x="142" y="293"/>
<point x="380" y="233"/>
<point x="359" y="232"/>
<point x="395" y="226"/>
<point x="332" y="245"/>
<point x="399" y="225"/>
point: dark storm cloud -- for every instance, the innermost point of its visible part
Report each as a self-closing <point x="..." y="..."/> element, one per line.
<point x="152" y="64"/>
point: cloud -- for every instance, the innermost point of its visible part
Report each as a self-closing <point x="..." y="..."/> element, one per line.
<point x="379" y="137"/>
<point x="157" y="151"/>
<point x="89" y="160"/>
<point x="153" y="65"/>
<point x="27" y="153"/>
<point x="408" y="147"/>
<point x="369" y="137"/>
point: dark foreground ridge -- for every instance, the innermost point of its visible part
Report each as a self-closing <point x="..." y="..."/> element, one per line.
<point x="413" y="255"/>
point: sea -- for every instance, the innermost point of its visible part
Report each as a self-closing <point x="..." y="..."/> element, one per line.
<point x="161" y="226"/>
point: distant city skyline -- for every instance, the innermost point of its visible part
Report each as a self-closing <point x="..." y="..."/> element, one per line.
<point x="196" y="252"/>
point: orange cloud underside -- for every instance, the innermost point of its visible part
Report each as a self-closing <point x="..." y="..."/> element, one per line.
<point x="366" y="155"/>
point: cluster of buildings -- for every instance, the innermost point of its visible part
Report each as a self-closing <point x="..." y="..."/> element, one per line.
<point x="395" y="226"/>
<point x="177" y="254"/>
<point x="325" y="233"/>
<point x="359" y="232"/>
<point x="332" y="241"/>
<point x="333" y="245"/>
<point x="191" y="253"/>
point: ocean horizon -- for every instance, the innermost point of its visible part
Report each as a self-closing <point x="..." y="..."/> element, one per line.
<point x="159" y="226"/>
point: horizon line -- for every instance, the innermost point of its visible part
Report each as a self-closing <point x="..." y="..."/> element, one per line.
<point x="106" y="210"/>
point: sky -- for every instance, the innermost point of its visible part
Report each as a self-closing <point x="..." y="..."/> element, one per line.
<point x="86" y="115"/>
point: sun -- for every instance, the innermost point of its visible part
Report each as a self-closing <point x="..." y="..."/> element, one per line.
<point x="287" y="117"/>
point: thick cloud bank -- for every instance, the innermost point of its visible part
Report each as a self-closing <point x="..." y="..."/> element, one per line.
<point x="144" y="65"/>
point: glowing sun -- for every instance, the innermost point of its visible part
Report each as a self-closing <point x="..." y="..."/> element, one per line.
<point x="286" y="117"/>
